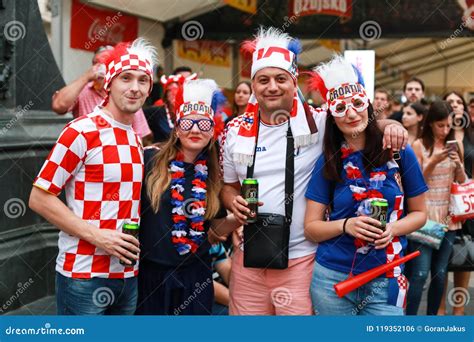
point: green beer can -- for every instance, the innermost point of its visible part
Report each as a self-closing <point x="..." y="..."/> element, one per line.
<point x="250" y="194"/>
<point x="380" y="210"/>
<point x="130" y="228"/>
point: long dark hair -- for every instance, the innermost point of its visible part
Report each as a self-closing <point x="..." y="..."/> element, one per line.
<point x="235" y="108"/>
<point x="439" y="111"/>
<point x="373" y="154"/>
<point x="419" y="110"/>
<point x="465" y="122"/>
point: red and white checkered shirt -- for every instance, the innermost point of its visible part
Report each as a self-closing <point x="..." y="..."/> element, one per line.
<point x="99" y="163"/>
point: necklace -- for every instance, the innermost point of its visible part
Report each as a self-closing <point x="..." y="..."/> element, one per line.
<point x="188" y="214"/>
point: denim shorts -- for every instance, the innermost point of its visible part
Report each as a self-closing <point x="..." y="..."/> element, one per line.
<point x="369" y="299"/>
<point x="96" y="296"/>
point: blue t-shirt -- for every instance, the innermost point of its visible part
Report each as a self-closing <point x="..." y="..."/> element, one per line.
<point x="338" y="253"/>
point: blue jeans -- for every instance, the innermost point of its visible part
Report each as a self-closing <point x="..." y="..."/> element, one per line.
<point x="418" y="269"/>
<point x="369" y="299"/>
<point x="96" y="296"/>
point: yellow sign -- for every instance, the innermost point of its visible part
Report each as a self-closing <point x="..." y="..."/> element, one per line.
<point x="249" y="6"/>
<point x="205" y="51"/>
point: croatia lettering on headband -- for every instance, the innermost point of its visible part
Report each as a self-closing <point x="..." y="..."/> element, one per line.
<point x="345" y="90"/>
<point x="201" y="108"/>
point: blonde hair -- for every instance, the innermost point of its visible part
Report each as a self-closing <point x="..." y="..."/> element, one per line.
<point x="159" y="179"/>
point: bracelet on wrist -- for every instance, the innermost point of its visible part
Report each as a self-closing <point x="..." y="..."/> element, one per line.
<point x="344" y="225"/>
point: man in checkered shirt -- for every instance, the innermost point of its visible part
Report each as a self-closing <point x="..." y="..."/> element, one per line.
<point x="98" y="160"/>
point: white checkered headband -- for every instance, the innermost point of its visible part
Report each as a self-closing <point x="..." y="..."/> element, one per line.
<point x="338" y="80"/>
<point x="139" y="55"/>
<point x="199" y="97"/>
<point x="273" y="48"/>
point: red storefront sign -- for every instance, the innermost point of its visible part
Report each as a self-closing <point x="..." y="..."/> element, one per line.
<point x="340" y="8"/>
<point x="92" y="27"/>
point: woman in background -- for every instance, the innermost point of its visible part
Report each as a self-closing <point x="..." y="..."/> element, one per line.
<point x="412" y="120"/>
<point x="441" y="167"/>
<point x="464" y="134"/>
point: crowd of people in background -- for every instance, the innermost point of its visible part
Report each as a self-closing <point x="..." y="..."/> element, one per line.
<point x="194" y="264"/>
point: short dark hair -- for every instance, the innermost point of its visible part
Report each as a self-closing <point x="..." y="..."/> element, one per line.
<point x="414" y="79"/>
<point x="471" y="101"/>
<point x="383" y="91"/>
<point x="182" y="69"/>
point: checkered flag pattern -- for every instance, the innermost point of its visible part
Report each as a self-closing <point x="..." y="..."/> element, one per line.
<point x="99" y="164"/>
<point x="127" y="62"/>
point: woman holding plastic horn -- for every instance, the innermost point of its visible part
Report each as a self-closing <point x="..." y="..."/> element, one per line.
<point x="354" y="179"/>
<point x="181" y="209"/>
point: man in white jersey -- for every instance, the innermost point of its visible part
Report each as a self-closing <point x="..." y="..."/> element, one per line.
<point x="258" y="291"/>
<point x="98" y="160"/>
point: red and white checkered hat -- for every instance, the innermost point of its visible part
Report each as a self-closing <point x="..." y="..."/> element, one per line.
<point x="138" y="55"/>
<point x="179" y="79"/>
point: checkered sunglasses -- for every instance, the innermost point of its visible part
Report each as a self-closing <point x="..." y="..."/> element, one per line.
<point x="205" y="125"/>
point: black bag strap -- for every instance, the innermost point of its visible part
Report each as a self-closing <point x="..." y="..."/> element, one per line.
<point x="289" y="175"/>
<point x="289" y="170"/>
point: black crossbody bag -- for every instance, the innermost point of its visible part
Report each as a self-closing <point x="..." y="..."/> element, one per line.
<point x="266" y="241"/>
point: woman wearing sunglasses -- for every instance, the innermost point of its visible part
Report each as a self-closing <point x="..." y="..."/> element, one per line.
<point x="353" y="172"/>
<point x="180" y="210"/>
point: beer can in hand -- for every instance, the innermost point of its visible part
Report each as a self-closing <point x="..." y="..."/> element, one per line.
<point x="130" y="228"/>
<point x="250" y="194"/>
<point x="379" y="208"/>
